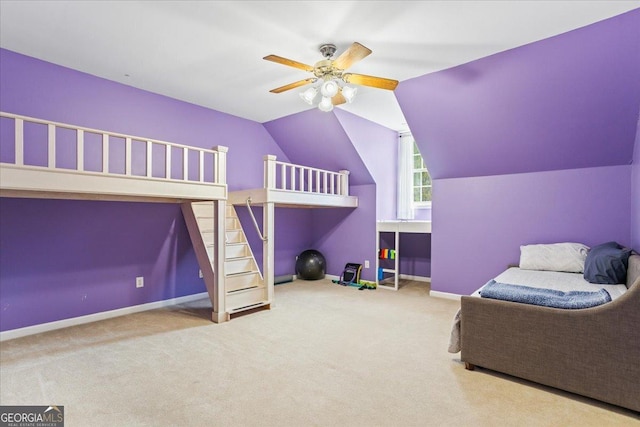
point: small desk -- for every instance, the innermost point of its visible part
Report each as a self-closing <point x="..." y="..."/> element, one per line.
<point x="396" y="227"/>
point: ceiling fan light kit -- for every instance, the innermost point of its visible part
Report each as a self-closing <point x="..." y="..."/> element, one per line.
<point x="309" y="95"/>
<point x="329" y="88"/>
<point x="330" y="78"/>
<point x="325" y="104"/>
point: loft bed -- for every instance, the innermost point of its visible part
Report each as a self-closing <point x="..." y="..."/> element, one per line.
<point x="296" y="186"/>
<point x="45" y="159"/>
<point x="51" y="160"/>
<point x="292" y="186"/>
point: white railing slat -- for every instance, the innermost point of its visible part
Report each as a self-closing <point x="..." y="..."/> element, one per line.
<point x="51" y="146"/>
<point x="167" y="164"/>
<point x="185" y="163"/>
<point x="105" y="153"/>
<point x="283" y="176"/>
<point x="324" y="182"/>
<point x="80" y="150"/>
<point x="201" y="167"/>
<point x="19" y="141"/>
<point x="149" y="159"/>
<point x="127" y="156"/>
<point x="301" y="178"/>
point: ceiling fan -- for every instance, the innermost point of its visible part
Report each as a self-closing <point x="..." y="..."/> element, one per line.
<point x="331" y="76"/>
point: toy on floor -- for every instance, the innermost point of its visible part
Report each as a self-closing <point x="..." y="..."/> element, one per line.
<point x="362" y="284"/>
<point x="351" y="277"/>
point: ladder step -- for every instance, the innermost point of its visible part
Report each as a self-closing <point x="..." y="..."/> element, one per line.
<point x="243" y="282"/>
<point x="241" y="273"/>
<point x="242" y="290"/>
<point x="238" y="258"/>
<point x="247" y="297"/>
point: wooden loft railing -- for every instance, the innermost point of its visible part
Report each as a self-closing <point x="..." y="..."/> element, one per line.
<point x="40" y="158"/>
<point x="288" y="184"/>
<point x="291" y="177"/>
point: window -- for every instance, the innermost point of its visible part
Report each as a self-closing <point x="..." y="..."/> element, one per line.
<point x="421" y="179"/>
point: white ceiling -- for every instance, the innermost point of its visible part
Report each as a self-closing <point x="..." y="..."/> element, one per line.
<point x="210" y="52"/>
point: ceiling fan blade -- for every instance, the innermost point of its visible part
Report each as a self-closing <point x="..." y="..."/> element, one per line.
<point x="292" y="85"/>
<point x="362" y="79"/>
<point x="338" y="99"/>
<point x="289" y="62"/>
<point x="355" y="53"/>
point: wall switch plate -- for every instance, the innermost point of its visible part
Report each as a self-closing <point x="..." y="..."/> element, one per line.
<point x="200" y="274"/>
<point x="139" y="282"/>
<point x="366" y="263"/>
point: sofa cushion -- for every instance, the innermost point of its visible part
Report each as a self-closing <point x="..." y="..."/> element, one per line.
<point x="607" y="264"/>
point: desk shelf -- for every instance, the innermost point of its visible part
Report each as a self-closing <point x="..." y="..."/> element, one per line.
<point x="397" y="228"/>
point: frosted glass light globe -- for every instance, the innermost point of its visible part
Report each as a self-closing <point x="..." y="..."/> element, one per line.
<point x="329" y="88"/>
<point x="325" y="105"/>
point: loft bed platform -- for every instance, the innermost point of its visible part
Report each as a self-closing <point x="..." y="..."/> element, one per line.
<point x="44" y="159"/>
<point x="289" y="185"/>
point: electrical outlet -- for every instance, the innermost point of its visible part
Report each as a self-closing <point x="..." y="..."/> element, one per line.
<point x="200" y="274"/>
<point x="139" y="282"/>
<point x="366" y="263"/>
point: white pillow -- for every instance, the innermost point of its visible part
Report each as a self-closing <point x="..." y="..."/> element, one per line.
<point x="567" y="257"/>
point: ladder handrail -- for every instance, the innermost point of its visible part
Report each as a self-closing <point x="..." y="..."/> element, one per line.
<point x="255" y="223"/>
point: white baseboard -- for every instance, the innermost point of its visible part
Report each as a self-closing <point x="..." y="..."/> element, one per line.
<point x="59" y="324"/>
<point x="445" y="295"/>
<point x="415" y="278"/>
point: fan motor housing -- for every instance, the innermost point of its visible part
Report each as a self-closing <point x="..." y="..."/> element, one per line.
<point x="327" y="50"/>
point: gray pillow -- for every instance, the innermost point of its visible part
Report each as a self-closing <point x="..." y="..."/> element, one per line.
<point x="567" y="257"/>
<point x="607" y="264"/>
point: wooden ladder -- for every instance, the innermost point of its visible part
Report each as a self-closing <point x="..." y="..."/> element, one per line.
<point x="243" y="286"/>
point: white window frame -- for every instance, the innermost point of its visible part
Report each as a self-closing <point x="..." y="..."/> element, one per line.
<point x="423" y="168"/>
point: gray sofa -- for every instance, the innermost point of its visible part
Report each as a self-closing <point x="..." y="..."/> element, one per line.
<point x="594" y="352"/>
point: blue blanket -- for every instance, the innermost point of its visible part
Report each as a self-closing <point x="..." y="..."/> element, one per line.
<point x="544" y="297"/>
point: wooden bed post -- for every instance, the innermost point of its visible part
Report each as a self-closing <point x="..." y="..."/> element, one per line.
<point x="268" y="213"/>
<point x="219" y="232"/>
<point x="344" y="182"/>
<point x="270" y="171"/>
<point x="268" y="248"/>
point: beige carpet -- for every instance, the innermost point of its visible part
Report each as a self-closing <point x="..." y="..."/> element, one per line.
<point x="325" y="355"/>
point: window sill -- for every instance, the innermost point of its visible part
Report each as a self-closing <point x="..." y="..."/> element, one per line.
<point x="425" y="205"/>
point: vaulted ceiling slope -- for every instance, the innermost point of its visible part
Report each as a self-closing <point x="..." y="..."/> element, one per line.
<point x="319" y="140"/>
<point x="566" y="102"/>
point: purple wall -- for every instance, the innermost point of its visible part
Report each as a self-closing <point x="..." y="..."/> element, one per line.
<point x="635" y="194"/>
<point x="293" y="234"/>
<point x="60" y="259"/>
<point x="416" y="254"/>
<point x="336" y="141"/>
<point x="44" y="90"/>
<point x="479" y="223"/>
<point x="348" y="235"/>
<point x="315" y="138"/>
<point x="567" y="102"/>
<point x="378" y="149"/>
<point x="531" y="145"/>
